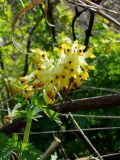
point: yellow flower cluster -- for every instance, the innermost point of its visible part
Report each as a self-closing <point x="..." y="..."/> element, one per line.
<point x="64" y="71"/>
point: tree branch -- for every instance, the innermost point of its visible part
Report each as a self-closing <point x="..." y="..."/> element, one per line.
<point x="89" y="30"/>
<point x="95" y="8"/>
<point x="106" y="101"/>
<point x="49" y="14"/>
<point x="51" y="148"/>
<point x="29" y="44"/>
<point x="77" y="14"/>
<point x="90" y="26"/>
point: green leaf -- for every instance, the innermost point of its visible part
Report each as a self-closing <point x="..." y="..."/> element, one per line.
<point x="45" y="108"/>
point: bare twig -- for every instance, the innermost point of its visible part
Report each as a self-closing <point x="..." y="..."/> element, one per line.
<point x="63" y="151"/>
<point x="19" y="124"/>
<point x="87" y="158"/>
<point x="95" y="8"/>
<point x="111" y="155"/>
<point x="51" y="148"/>
<point x="92" y="3"/>
<point x="73" y="130"/>
<point x="103" y="156"/>
<point x="94" y="116"/>
<point x="84" y="136"/>
<point x="61" y="146"/>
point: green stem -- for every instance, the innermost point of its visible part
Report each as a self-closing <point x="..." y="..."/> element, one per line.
<point x="28" y="126"/>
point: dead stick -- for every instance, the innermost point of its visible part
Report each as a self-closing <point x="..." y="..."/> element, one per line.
<point x="85" y="137"/>
<point x="51" y="148"/>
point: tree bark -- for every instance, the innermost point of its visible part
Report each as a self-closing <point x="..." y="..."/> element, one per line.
<point x="106" y="101"/>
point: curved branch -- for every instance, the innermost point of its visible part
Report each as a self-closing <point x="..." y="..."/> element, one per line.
<point x="29" y="44"/>
<point x="49" y="14"/>
<point x="106" y="101"/>
<point x="90" y="26"/>
<point x="77" y="14"/>
<point x="89" y="30"/>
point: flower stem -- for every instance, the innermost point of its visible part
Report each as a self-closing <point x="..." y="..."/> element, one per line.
<point x="28" y="126"/>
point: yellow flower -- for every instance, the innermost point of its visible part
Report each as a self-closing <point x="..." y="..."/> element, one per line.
<point x="40" y="72"/>
<point x="76" y="83"/>
<point x="68" y="62"/>
<point x="39" y="56"/>
<point x="28" y="78"/>
<point x="36" y="55"/>
<point x="27" y="92"/>
<point x="85" y="75"/>
<point x="59" y="51"/>
<point x="47" y="98"/>
<point x="15" y="89"/>
<point x="36" y="84"/>
<point x="49" y="93"/>
<point x="91" y="67"/>
<point x="81" y="46"/>
<point x="67" y="48"/>
<point x="76" y="47"/>
<point x="23" y="80"/>
<point x="64" y="81"/>
<point x="89" y="53"/>
<point x="58" y="73"/>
